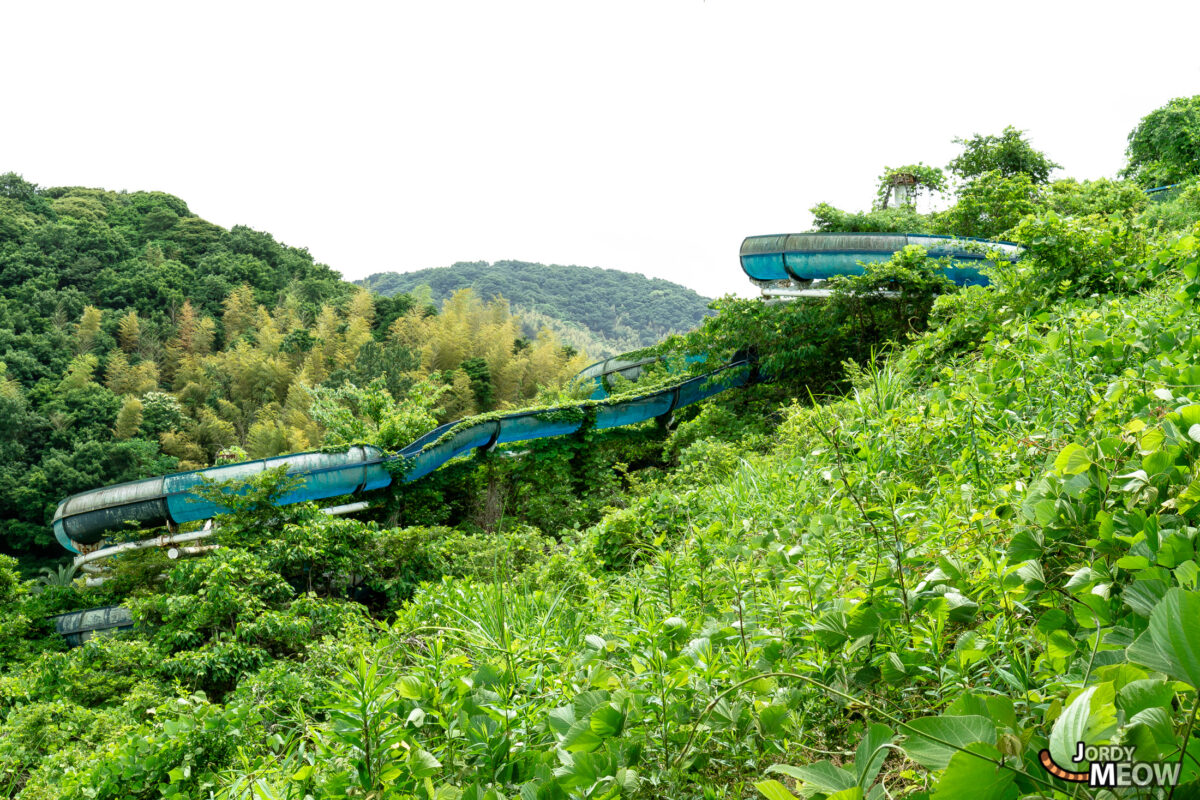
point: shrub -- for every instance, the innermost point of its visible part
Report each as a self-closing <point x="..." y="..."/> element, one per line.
<point x="1177" y="213"/>
<point x="1078" y="256"/>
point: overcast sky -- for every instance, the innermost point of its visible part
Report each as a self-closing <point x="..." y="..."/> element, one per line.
<point x="648" y="136"/>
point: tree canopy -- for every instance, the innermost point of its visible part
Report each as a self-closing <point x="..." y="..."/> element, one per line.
<point x="1010" y="154"/>
<point x="1164" y="148"/>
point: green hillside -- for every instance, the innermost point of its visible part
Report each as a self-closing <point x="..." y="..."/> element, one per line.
<point x="137" y="338"/>
<point x="951" y="537"/>
<point x="600" y="311"/>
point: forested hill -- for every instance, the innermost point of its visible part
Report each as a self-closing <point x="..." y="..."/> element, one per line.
<point x="104" y="298"/>
<point x="602" y="311"/>
<point x="137" y="339"/>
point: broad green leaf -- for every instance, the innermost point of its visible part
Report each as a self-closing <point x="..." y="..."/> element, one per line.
<point x="1143" y="595"/>
<point x="1158" y="720"/>
<point x="853" y="793"/>
<point x="724" y="715"/>
<point x="822" y="776"/>
<point x="409" y="687"/>
<point x="953" y="733"/>
<point x="303" y="773"/>
<point x="1060" y="649"/>
<point x="774" y="790"/>
<point x="561" y="719"/>
<point x="1141" y="737"/>
<point x="1172" y="643"/>
<point x="586" y="701"/>
<point x="960" y="607"/>
<point x="772" y="720"/>
<point x="628" y="780"/>
<point x="1053" y="620"/>
<point x="1134" y="480"/>
<point x="1072" y="460"/>
<point x="1120" y="675"/>
<point x="830" y="630"/>
<point x="971" y="775"/>
<point x="1186" y="573"/>
<point x="579" y="769"/>
<point x="422" y="764"/>
<point x="580" y="739"/>
<point x="1157" y="463"/>
<point x="1090" y="718"/>
<point x="872" y="752"/>
<point x="1132" y="563"/>
<point x="1031" y="573"/>
<point x="1176" y="548"/>
<point x="1045" y="511"/>
<point x="1025" y="546"/>
<point x="1187" y="501"/>
<point x="606" y="720"/>
<point x="967" y="704"/>
<point x="1001" y="710"/>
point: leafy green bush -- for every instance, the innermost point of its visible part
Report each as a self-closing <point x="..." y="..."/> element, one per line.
<point x="731" y="422"/>
<point x="959" y="321"/>
<point x="1072" y="198"/>
<point x="97" y="673"/>
<point x="401" y="559"/>
<point x="206" y="597"/>
<point x="1080" y="256"/>
<point x="903" y="219"/>
<point x="1177" y="213"/>
<point x="1009" y="155"/>
<point x="177" y="753"/>
<point x="990" y="204"/>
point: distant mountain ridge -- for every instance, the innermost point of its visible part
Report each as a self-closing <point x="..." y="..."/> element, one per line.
<point x="602" y="311"/>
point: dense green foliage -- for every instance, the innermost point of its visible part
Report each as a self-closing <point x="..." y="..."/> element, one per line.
<point x="904" y="219"/>
<point x="602" y="311"/>
<point x="1165" y="146"/>
<point x="1000" y="180"/>
<point x="138" y="339"/>
<point x="901" y="577"/>
<point x="1010" y="154"/>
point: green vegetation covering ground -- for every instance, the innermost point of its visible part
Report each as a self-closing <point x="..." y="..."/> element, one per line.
<point x="956" y="530"/>
<point x="601" y="311"/>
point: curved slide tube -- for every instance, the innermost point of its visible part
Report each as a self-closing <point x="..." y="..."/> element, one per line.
<point x="82" y="520"/>
<point x="801" y="258"/>
<point x="79" y="626"/>
<point x="796" y="260"/>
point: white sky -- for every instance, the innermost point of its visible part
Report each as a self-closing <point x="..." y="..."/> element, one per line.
<point x="648" y="136"/>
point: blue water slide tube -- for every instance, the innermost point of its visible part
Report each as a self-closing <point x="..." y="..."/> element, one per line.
<point x="807" y="257"/>
<point x="84" y="519"/>
<point x="631" y="369"/>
